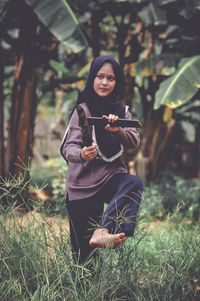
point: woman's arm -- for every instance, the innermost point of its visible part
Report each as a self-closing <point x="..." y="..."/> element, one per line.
<point x="128" y="137"/>
<point x="73" y="144"/>
<point x="73" y="149"/>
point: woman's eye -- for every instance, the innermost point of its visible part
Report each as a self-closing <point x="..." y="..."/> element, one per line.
<point x="110" y="78"/>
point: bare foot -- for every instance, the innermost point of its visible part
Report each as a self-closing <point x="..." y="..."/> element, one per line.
<point x="103" y="239"/>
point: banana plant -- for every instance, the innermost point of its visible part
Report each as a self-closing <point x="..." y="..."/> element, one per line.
<point x="188" y="119"/>
<point x="181" y="86"/>
<point x="27" y="50"/>
<point x="64" y="75"/>
<point x="59" y="18"/>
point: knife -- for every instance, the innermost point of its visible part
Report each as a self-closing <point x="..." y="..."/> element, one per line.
<point x="119" y="122"/>
<point x="83" y="123"/>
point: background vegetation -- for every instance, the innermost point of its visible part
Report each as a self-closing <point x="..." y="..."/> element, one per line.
<point x="46" y="55"/>
<point x="161" y="261"/>
<point x="46" y="48"/>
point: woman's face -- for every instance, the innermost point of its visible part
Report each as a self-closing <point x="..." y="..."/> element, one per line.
<point x="104" y="81"/>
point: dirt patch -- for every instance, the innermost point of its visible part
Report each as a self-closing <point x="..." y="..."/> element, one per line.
<point x="53" y="225"/>
<point x="156" y="224"/>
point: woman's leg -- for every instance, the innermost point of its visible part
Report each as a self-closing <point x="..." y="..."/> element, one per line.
<point x="120" y="215"/>
<point x="81" y="214"/>
<point x="124" y="192"/>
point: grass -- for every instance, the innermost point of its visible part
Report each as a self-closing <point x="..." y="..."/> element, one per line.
<point x="161" y="262"/>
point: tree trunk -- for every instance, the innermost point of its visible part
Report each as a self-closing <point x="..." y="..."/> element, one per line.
<point x="95" y="31"/>
<point x="24" y="102"/>
<point x="153" y="153"/>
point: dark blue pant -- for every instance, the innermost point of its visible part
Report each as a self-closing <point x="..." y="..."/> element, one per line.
<point x="123" y="194"/>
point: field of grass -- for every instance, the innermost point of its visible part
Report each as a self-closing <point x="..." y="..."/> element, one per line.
<point x="161" y="262"/>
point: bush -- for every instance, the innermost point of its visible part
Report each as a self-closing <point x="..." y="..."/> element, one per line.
<point x="50" y="177"/>
<point x="167" y="193"/>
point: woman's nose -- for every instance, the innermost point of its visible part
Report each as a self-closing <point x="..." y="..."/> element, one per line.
<point x="104" y="81"/>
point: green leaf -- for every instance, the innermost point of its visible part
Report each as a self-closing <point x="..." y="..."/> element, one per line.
<point x="180" y="87"/>
<point x="64" y="74"/>
<point x="188" y="131"/>
<point x="3" y="3"/>
<point x="163" y="64"/>
<point x="189" y="112"/>
<point x="153" y="14"/>
<point x="58" y="17"/>
<point x="58" y="67"/>
<point x="193" y="106"/>
<point x="164" y="2"/>
<point x="171" y="29"/>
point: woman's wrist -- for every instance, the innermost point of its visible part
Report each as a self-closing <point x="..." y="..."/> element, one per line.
<point x="81" y="156"/>
<point x="115" y="133"/>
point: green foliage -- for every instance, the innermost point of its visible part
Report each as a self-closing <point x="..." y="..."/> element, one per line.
<point x="14" y="192"/>
<point x="161" y="262"/>
<point x="61" y="22"/>
<point x="42" y="177"/>
<point x="181" y="86"/>
<point x="189" y="112"/>
<point x="163" y="64"/>
<point x="152" y="202"/>
<point x="64" y="75"/>
<point x="51" y="180"/>
<point x="59" y="67"/>
<point x="152" y="13"/>
<point x="57" y="204"/>
<point x="167" y="193"/>
<point x="187" y="120"/>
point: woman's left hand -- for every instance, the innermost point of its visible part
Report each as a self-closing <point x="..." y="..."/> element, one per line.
<point x="111" y="118"/>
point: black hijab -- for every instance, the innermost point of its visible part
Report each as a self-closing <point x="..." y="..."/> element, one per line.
<point x="108" y="144"/>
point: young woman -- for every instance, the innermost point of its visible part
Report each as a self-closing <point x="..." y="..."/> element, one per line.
<point x="96" y="173"/>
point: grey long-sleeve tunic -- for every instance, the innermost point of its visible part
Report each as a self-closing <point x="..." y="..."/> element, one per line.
<point x="86" y="178"/>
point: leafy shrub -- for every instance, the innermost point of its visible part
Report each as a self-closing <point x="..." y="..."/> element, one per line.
<point x="180" y="192"/>
<point x="167" y="192"/>
<point x="50" y="176"/>
<point x="152" y="203"/>
<point x="41" y="176"/>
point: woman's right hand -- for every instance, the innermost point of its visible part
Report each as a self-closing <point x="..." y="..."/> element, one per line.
<point x="89" y="153"/>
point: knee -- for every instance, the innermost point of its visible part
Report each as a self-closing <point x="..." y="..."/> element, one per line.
<point x="138" y="183"/>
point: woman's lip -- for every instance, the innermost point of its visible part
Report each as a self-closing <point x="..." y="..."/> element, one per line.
<point x="103" y="89"/>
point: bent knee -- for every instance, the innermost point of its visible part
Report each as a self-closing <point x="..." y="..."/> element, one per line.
<point x="139" y="183"/>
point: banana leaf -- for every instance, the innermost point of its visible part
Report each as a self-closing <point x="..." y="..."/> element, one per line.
<point x="88" y="5"/>
<point x="189" y="112"/>
<point x="181" y="86"/>
<point x="164" y="2"/>
<point x="187" y="131"/>
<point x="163" y="64"/>
<point x="131" y="1"/>
<point x="64" y="74"/>
<point x="58" y="17"/>
<point x="59" y="67"/>
<point x="153" y="14"/>
<point x="169" y="30"/>
<point x="2" y="4"/>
